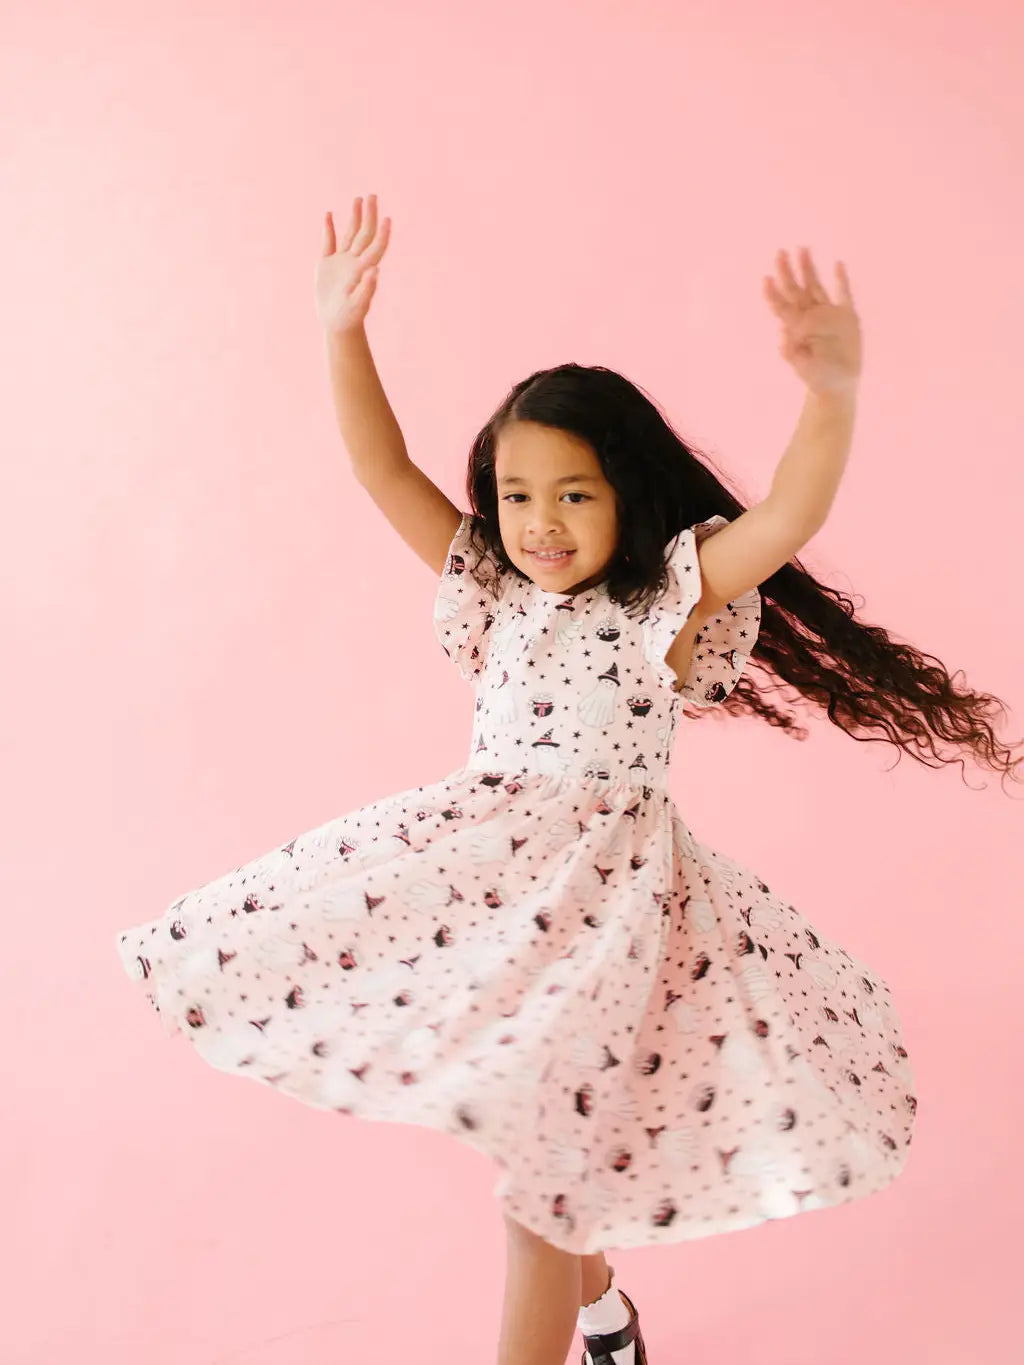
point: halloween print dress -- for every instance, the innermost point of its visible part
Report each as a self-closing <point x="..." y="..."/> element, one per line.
<point x="535" y="955"/>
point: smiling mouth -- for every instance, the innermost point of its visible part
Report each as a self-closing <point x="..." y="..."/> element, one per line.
<point x="551" y="558"/>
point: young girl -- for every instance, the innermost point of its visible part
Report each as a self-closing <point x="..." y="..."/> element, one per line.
<point x="533" y="953"/>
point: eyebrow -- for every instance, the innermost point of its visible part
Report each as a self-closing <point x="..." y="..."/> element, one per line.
<point x="569" y="478"/>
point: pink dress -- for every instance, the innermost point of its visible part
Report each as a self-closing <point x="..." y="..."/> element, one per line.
<point x="535" y="955"/>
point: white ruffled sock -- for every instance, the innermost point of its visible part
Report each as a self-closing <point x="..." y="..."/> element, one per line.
<point x="608" y="1314"/>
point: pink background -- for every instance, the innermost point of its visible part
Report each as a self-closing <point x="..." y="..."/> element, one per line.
<point x="214" y="640"/>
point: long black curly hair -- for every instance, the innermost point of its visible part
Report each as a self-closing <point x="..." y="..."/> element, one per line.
<point x="872" y="687"/>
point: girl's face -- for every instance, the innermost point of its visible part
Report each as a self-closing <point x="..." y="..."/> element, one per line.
<point x="553" y="494"/>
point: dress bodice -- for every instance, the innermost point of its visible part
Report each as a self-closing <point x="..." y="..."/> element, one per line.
<point x="574" y="686"/>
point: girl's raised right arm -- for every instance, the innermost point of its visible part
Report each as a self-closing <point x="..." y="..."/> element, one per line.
<point x="346" y="280"/>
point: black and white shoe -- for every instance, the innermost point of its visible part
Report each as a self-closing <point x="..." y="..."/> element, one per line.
<point x="598" y="1349"/>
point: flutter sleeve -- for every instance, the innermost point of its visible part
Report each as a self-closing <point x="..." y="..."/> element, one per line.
<point x="722" y="645"/>
<point x="469" y="589"/>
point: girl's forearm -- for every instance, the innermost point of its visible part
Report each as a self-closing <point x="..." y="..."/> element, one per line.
<point x="809" y="473"/>
<point x="367" y="424"/>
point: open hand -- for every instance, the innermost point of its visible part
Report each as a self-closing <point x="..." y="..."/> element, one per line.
<point x="820" y="339"/>
<point x="346" y="273"/>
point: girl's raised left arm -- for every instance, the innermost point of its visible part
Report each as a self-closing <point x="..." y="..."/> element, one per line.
<point x="822" y="341"/>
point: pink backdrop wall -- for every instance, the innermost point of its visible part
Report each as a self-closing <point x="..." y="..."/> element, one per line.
<point x="214" y="641"/>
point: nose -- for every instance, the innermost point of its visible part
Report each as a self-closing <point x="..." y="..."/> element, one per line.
<point x="543" y="519"/>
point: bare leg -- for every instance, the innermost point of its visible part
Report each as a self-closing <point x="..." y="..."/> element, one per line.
<point x="595" y="1277"/>
<point x="542" y="1300"/>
